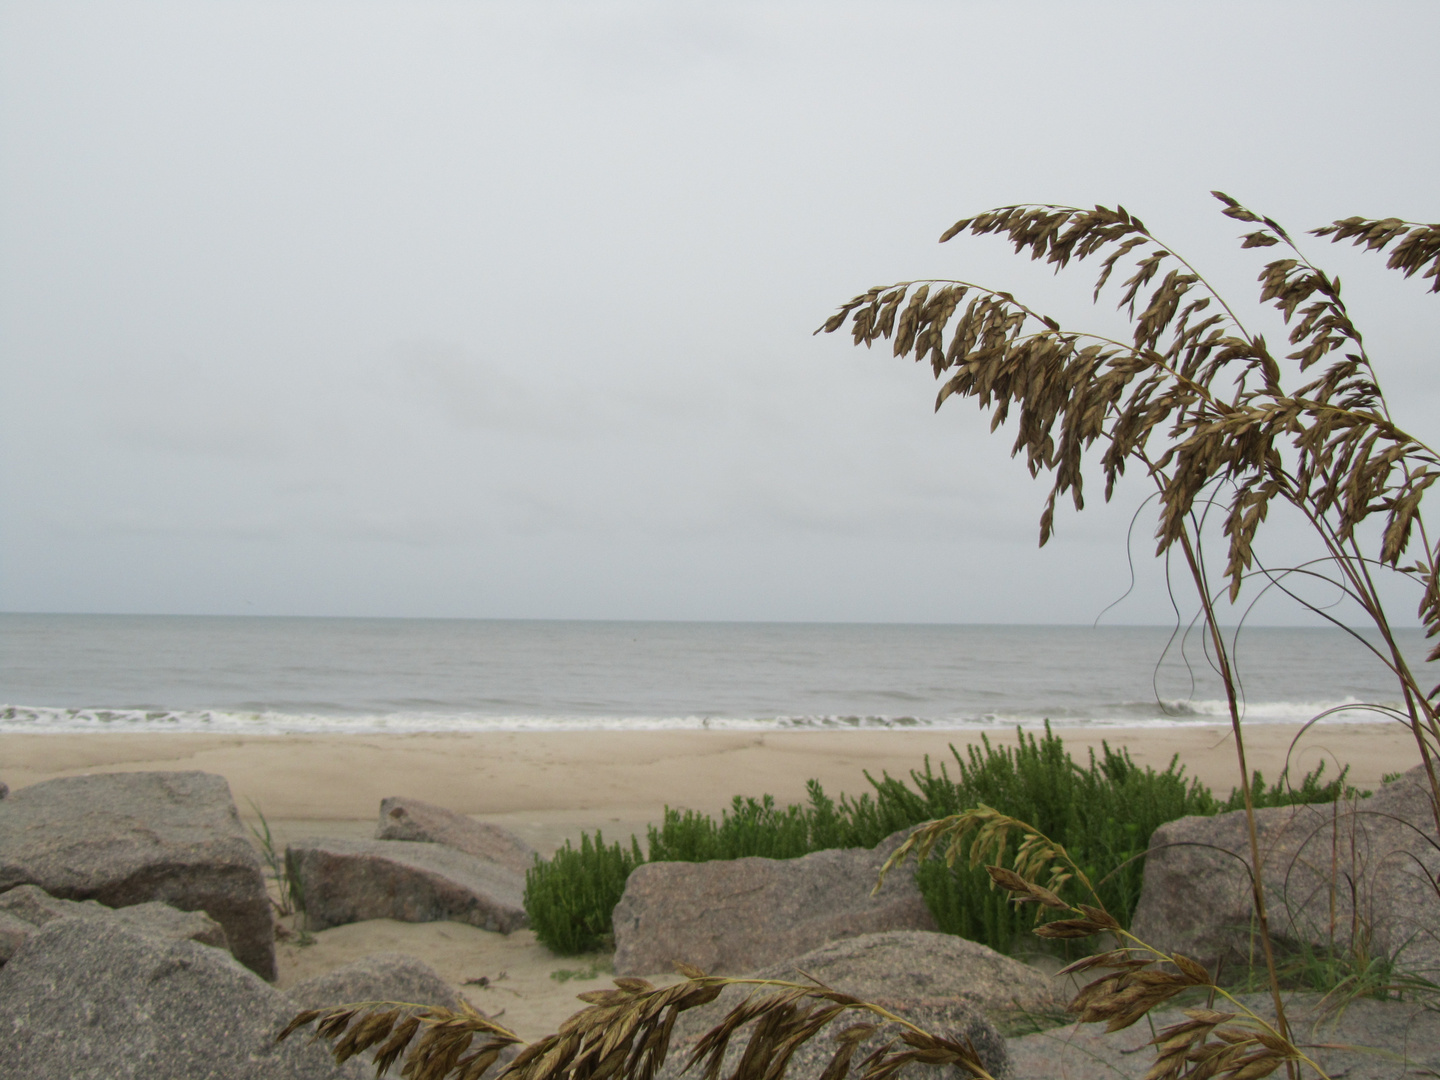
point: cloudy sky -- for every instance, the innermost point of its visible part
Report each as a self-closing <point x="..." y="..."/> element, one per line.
<point x="505" y="309"/>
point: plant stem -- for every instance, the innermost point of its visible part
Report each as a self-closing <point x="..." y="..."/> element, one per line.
<point x="1257" y="886"/>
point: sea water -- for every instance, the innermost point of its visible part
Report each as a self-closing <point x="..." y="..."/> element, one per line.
<point x="72" y="673"/>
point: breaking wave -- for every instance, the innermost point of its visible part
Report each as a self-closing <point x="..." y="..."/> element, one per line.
<point x="21" y="719"/>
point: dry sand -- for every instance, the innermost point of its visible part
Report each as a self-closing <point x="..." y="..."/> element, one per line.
<point x="525" y="986"/>
<point x="550" y="786"/>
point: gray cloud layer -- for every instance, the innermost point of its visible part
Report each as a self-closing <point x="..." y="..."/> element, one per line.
<point x="504" y="309"/>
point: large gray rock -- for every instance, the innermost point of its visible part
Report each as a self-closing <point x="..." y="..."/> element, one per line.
<point x="345" y="881"/>
<point x="737" y="914"/>
<point x="4" y="789"/>
<point x="410" y="819"/>
<point x="1196" y="897"/>
<point x="1407" y="1036"/>
<point x="383" y="976"/>
<point x="127" y="838"/>
<point x="921" y="964"/>
<point x="929" y="978"/>
<point x="91" y="999"/>
<point x="25" y="909"/>
<point x="13" y="932"/>
<point x="942" y="984"/>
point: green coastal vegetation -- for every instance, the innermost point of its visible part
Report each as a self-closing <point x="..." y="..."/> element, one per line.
<point x="1103" y="810"/>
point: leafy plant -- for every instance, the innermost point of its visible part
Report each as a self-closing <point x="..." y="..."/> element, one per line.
<point x="1199" y="403"/>
<point x="1105" y="811"/>
<point x="750" y="827"/>
<point x="598" y="965"/>
<point x="1311" y="790"/>
<point x="570" y="898"/>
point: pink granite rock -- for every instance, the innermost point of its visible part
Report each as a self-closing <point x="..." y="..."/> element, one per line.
<point x="736" y="915"/>
<point x="403" y="818"/>
<point x="1327" y="868"/>
<point x="345" y="881"/>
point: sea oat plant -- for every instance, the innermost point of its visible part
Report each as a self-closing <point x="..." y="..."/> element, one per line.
<point x="1237" y="1044"/>
<point x="1197" y="402"/>
<point x="624" y="1034"/>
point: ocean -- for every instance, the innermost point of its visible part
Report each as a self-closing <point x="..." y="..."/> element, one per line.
<point x="118" y="673"/>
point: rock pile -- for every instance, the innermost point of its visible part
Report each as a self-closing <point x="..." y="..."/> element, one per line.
<point x="951" y="1018"/>
<point x="382" y="976"/>
<point x="129" y="838"/>
<point x="92" y="997"/>
<point x="122" y="898"/>
<point x="920" y="964"/>
<point x="25" y="909"/>
<point x="427" y="864"/>
<point x="943" y="984"/>
<point x="123" y="895"/>
<point x="345" y="881"/>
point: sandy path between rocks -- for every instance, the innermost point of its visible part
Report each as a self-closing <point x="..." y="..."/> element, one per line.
<point x="521" y="989"/>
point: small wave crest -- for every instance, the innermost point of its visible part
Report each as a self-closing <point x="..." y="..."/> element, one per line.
<point x="1349" y="711"/>
<point x="18" y="719"/>
<point x="43" y="719"/>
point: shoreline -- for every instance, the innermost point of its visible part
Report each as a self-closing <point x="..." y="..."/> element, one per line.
<point x="549" y="786"/>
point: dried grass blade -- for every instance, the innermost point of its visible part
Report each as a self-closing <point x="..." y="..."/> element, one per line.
<point x="394" y="1046"/>
<point x="298" y="1022"/>
<point x="364" y="1034"/>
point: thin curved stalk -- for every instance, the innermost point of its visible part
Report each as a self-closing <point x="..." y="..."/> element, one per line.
<point x="1257" y="886"/>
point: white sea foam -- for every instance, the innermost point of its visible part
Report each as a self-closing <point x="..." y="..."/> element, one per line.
<point x="20" y="719"/>
<point x="1349" y="710"/>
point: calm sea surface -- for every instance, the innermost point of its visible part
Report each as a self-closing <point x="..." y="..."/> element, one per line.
<point x="274" y="675"/>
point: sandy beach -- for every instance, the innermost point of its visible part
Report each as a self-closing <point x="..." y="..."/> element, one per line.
<point x="550" y="786"/>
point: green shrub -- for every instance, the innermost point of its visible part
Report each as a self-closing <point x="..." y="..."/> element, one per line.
<point x="1310" y="790"/>
<point x="571" y="897"/>
<point x="750" y="827"/>
<point x="1104" y="812"/>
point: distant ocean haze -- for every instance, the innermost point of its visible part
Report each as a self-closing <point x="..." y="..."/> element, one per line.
<point x="315" y="675"/>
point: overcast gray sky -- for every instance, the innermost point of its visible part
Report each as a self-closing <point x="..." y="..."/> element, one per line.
<point x="505" y="309"/>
